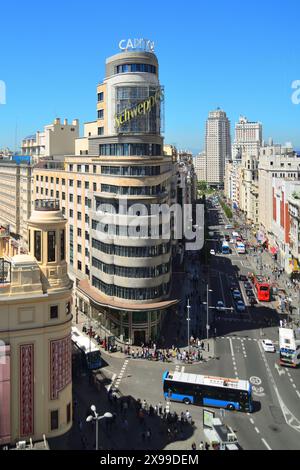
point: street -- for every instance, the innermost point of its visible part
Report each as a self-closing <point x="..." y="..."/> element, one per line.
<point x="237" y="353"/>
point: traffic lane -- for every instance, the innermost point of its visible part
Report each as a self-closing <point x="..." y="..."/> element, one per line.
<point x="288" y="388"/>
<point x="269" y="419"/>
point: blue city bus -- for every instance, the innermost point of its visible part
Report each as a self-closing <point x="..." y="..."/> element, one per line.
<point x="90" y="352"/>
<point x="225" y="248"/>
<point x="231" y="394"/>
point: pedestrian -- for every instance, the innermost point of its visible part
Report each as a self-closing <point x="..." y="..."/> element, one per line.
<point x="160" y="409"/>
<point x="148" y="434"/>
<point x="194" y="447"/>
<point x="201" y="445"/>
<point x="207" y="446"/>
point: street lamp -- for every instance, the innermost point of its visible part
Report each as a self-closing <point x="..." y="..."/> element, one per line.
<point x="97" y="418"/>
<point x="188" y="320"/>
<point x="207" y="311"/>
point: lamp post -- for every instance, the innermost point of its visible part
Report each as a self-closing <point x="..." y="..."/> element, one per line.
<point x="188" y="320"/>
<point x="207" y="311"/>
<point x="97" y="418"/>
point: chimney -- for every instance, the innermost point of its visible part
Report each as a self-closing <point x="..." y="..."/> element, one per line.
<point x="75" y="122"/>
<point x="65" y="122"/>
<point x="57" y="121"/>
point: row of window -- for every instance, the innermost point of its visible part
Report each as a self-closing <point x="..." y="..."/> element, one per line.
<point x="130" y="150"/>
<point x="131" y="170"/>
<point x="133" y="190"/>
<point x="79" y="216"/>
<point x="139" y="273"/>
<point x="130" y="293"/>
<point x="125" y="68"/>
<point x="51" y="245"/>
<point x="131" y="251"/>
<point x="100" y="113"/>
<point x="80" y="168"/>
<point x="63" y="181"/>
<point x="132" y="231"/>
<point x="119" y="207"/>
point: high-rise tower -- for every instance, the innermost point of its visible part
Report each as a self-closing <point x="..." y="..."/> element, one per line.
<point x="217" y="146"/>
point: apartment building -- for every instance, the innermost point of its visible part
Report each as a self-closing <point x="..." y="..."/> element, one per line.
<point x="294" y="212"/>
<point x="56" y="139"/>
<point x="124" y="282"/>
<point x="200" y="166"/>
<point x="275" y="161"/>
<point x="16" y="195"/>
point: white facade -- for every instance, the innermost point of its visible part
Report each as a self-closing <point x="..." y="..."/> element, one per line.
<point x="57" y="139"/>
<point x="200" y="166"/>
<point x="217" y="146"/>
<point x="275" y="161"/>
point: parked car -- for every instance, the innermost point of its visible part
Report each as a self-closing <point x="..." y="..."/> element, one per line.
<point x="228" y="227"/>
<point x="240" y="306"/>
<point x="236" y="295"/>
<point x="268" y="345"/>
<point x="212" y="252"/>
<point x="250" y="293"/>
<point x="243" y="278"/>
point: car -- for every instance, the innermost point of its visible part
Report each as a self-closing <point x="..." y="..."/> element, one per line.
<point x="236" y="295"/>
<point x="252" y="301"/>
<point x="247" y="285"/>
<point x="212" y="252"/>
<point x="228" y="227"/>
<point x="240" y="306"/>
<point x="268" y="345"/>
<point x="250" y="293"/>
<point x="220" y="306"/>
<point x="227" y="238"/>
<point x="243" y="278"/>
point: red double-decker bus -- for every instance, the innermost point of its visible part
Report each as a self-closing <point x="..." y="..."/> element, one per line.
<point x="262" y="287"/>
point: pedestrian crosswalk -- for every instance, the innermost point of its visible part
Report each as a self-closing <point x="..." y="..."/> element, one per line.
<point x="121" y="374"/>
<point x="178" y="368"/>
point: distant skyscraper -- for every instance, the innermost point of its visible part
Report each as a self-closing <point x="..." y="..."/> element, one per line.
<point x="218" y="146"/>
<point x="248" y="138"/>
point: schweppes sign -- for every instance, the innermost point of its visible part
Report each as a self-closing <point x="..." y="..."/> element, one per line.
<point x="141" y="109"/>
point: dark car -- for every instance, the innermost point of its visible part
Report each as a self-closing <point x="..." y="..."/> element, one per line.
<point x="243" y="278"/>
<point x="247" y="285"/>
<point x="252" y="301"/>
<point x="250" y="293"/>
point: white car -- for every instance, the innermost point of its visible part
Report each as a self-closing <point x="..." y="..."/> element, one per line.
<point x="212" y="252"/>
<point x="220" y="306"/>
<point x="228" y="227"/>
<point x="268" y="345"/>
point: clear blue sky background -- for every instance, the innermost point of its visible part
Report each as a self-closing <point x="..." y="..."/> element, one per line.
<point x="241" y="56"/>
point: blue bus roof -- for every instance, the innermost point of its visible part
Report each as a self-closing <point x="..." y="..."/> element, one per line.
<point x="197" y="379"/>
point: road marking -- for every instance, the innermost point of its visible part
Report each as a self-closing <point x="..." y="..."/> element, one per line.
<point x="255" y="380"/>
<point x="231" y="347"/>
<point x="112" y="382"/>
<point x="251" y="421"/>
<point x="266" y="444"/>
<point x="257" y="430"/>
<point x="182" y="369"/>
<point x="290" y="419"/>
<point x="279" y="369"/>
<point x="298" y="393"/>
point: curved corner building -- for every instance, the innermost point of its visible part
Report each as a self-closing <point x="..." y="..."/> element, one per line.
<point x="129" y="276"/>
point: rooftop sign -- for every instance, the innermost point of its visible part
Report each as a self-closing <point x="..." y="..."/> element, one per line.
<point x="136" y="44"/>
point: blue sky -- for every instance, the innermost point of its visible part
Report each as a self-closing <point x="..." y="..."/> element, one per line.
<point x="241" y="56"/>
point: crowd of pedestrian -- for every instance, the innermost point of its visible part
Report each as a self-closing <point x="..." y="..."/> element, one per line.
<point x="168" y="355"/>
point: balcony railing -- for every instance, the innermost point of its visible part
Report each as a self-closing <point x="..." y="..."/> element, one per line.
<point x="5" y="271"/>
<point x="46" y="205"/>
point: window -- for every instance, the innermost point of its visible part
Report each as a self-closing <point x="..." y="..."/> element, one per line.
<point x="71" y="213"/>
<point x="68" y="413"/>
<point x="53" y="312"/>
<point x="52" y="180"/>
<point x="94" y="186"/>
<point x="87" y="236"/>
<point x="79" y="168"/>
<point x="100" y="130"/>
<point x="63" y="182"/>
<point x="86" y="168"/>
<point x="79" y="184"/>
<point x="42" y="190"/>
<point x="71" y="197"/>
<point x="87" y="219"/>
<point x="79" y="265"/>
<point x="38" y="245"/>
<point x="57" y="180"/>
<point x="87" y="253"/>
<point x="46" y="191"/>
<point x="100" y="96"/>
<point x="46" y="179"/>
<point x="94" y="168"/>
<point x="78" y="199"/>
<point x="79" y="232"/>
<point x="37" y="190"/>
<point x="62" y="245"/>
<point x="79" y="215"/>
<point x="57" y="194"/>
<point x="86" y="185"/>
<point x="51" y="193"/>
<point x="51" y="246"/>
<point x="71" y="183"/>
<point x="79" y="248"/>
<point x="100" y="113"/>
<point x="54" y="420"/>
<point x="29" y="240"/>
<point x="63" y="196"/>
<point x="42" y="178"/>
<point x="37" y="178"/>
<point x="70" y="167"/>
